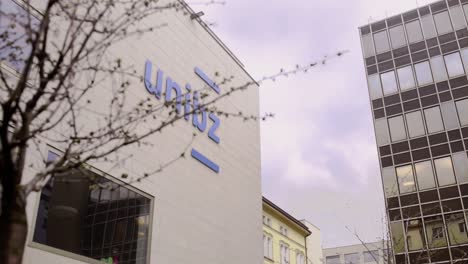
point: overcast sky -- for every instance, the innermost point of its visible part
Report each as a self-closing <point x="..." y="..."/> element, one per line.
<point x="319" y="159"/>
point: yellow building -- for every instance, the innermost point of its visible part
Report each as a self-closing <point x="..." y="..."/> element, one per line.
<point x="284" y="237"/>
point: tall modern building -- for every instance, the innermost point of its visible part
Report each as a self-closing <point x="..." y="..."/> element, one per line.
<point x="416" y="66"/>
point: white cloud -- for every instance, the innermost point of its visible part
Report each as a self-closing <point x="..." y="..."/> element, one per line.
<point x="306" y="174"/>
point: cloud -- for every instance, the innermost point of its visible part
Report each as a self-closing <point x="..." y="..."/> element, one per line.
<point x="305" y="174"/>
<point x="319" y="159"/>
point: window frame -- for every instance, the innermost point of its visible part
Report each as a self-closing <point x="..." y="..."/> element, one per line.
<point x="389" y="46"/>
<point x="444" y="175"/>
<point x="447" y="65"/>
<point x="67" y="254"/>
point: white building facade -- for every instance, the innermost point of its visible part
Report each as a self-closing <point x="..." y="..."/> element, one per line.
<point x="372" y="253"/>
<point x="205" y="208"/>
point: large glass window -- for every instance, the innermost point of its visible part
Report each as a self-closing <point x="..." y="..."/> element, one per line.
<point x="442" y="22"/>
<point x="458" y="19"/>
<point x="333" y="259"/>
<point x="381" y="132"/>
<point x="406" y="179"/>
<point x="462" y="107"/>
<point x="90" y="215"/>
<point x="397" y="36"/>
<point x="390" y="182"/>
<point x="435" y="231"/>
<point x="444" y="171"/>
<point x="389" y="82"/>
<point x="438" y="69"/>
<point x="465" y="10"/>
<point x="460" y="164"/>
<point x="464" y="55"/>
<point x="449" y="114"/>
<point x="371" y="256"/>
<point x="433" y="119"/>
<point x="12" y="18"/>
<point x="454" y="64"/>
<point x="397" y="128"/>
<point x="381" y="42"/>
<point x="375" y="87"/>
<point x="423" y="73"/>
<point x="425" y="175"/>
<point x="414" y="31"/>
<point x="456" y="229"/>
<point x="428" y="27"/>
<point x="415" y="235"/>
<point x="368" y="45"/>
<point x="406" y="78"/>
<point x="398" y="236"/>
<point x="353" y="258"/>
<point x="415" y="124"/>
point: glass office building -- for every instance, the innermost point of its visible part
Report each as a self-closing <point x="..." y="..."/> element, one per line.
<point x="416" y="67"/>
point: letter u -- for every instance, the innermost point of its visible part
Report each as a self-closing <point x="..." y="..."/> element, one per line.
<point x="155" y="90"/>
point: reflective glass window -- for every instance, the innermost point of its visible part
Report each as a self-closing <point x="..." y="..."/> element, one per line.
<point x="390" y="181"/>
<point x="456" y="228"/>
<point x="397" y="128"/>
<point x="415" y="124"/>
<point x="368" y="46"/>
<point x="435" y="231"/>
<point x="444" y="171"/>
<point x="414" y="31"/>
<point x="12" y="19"/>
<point x="454" y="64"/>
<point x="333" y="259"/>
<point x="442" y="22"/>
<point x="87" y="214"/>
<point x="425" y="175"/>
<point x="381" y="42"/>
<point x="458" y="19"/>
<point x="415" y="234"/>
<point x="462" y="108"/>
<point x="438" y="69"/>
<point x="449" y="114"/>
<point x="353" y="258"/>
<point x="371" y="256"/>
<point x="398" y="236"/>
<point x="460" y="164"/>
<point x="406" y="179"/>
<point x="397" y="36"/>
<point x="464" y="55"/>
<point x="406" y="78"/>
<point x="423" y="73"/>
<point x="428" y="27"/>
<point x="375" y="87"/>
<point x="389" y="83"/>
<point x="381" y="132"/>
<point x="433" y="119"/>
<point x="465" y="10"/>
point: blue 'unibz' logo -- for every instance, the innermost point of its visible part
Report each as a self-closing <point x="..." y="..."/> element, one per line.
<point x="200" y="117"/>
<point x="192" y="100"/>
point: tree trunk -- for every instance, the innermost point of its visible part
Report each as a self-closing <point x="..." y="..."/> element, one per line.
<point x="13" y="233"/>
<point x="13" y="220"/>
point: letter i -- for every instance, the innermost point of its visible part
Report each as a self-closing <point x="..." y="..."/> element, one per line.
<point x="187" y="102"/>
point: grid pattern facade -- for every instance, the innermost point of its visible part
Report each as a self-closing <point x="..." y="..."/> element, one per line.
<point x="416" y="66"/>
